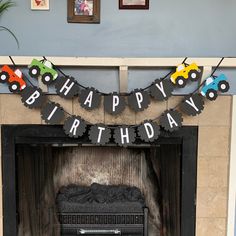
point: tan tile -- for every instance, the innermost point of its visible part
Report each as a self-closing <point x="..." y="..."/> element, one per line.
<point x="154" y="110"/>
<point x="214" y="157"/>
<point x="190" y="120"/>
<point x="12" y="111"/>
<point x="187" y="120"/>
<point x="211" y="202"/>
<point x="202" y="202"/>
<point x="218" y="172"/>
<point x="202" y="172"/>
<point x="217" y="113"/>
<point x="217" y="202"/>
<point x="211" y="227"/>
<point x="127" y="117"/>
<point x="94" y="116"/>
<point x="66" y="104"/>
<point x="174" y="101"/>
<point x="213" y="141"/>
<point x="212" y="172"/>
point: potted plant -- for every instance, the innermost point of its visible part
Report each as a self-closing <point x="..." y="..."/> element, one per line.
<point x="4" y="6"/>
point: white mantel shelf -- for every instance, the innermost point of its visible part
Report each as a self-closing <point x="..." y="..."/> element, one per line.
<point x="129" y="62"/>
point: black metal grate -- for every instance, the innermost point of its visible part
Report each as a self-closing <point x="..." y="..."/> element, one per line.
<point x="105" y="219"/>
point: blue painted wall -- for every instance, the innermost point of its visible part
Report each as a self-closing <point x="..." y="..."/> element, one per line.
<point x="169" y="28"/>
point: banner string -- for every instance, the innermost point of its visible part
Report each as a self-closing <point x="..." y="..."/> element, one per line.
<point x="217" y="66"/>
<point x="122" y="94"/>
<point x="12" y="61"/>
<point x="212" y="74"/>
<point x="34" y="85"/>
<point x="15" y="66"/>
<point x="133" y="126"/>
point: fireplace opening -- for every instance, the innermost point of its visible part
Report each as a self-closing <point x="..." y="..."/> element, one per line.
<point x="54" y="185"/>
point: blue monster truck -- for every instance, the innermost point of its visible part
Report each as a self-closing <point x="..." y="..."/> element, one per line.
<point x="214" y="84"/>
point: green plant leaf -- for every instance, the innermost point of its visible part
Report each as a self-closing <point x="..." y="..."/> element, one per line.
<point x="4" y="6"/>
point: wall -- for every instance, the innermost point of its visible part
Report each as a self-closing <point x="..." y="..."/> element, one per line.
<point x="177" y="28"/>
<point x="213" y="148"/>
<point x="168" y="29"/>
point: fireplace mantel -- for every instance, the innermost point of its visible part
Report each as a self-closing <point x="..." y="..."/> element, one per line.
<point x="213" y="151"/>
<point x="123" y="64"/>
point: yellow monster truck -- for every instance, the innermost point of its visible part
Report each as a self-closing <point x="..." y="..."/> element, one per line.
<point x="185" y="72"/>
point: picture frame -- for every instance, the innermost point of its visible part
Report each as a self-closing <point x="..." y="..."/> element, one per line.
<point x="83" y="11"/>
<point x="40" y="5"/>
<point x="134" y="4"/>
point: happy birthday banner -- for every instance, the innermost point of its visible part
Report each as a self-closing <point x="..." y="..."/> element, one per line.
<point x="114" y="103"/>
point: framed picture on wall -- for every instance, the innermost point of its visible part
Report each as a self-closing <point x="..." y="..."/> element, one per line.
<point x="134" y="4"/>
<point x="83" y="11"/>
<point x="39" y="4"/>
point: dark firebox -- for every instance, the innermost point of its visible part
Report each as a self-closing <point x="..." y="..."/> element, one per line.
<point x="102" y="210"/>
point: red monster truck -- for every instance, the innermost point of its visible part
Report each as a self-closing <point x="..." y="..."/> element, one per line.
<point x="13" y="78"/>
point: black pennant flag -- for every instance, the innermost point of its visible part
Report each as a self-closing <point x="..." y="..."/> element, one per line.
<point x="124" y="135"/>
<point x="161" y="89"/>
<point x="149" y="131"/>
<point x="89" y="98"/>
<point x="52" y="113"/>
<point x="139" y="100"/>
<point x="192" y="105"/>
<point x="171" y="120"/>
<point x="33" y="97"/>
<point x="114" y="103"/>
<point x="99" y="134"/>
<point x="74" y="126"/>
<point x="66" y="87"/>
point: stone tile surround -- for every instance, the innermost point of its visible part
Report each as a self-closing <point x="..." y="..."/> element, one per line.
<point x="213" y="149"/>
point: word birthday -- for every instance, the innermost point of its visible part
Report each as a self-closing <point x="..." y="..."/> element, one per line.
<point x="114" y="103"/>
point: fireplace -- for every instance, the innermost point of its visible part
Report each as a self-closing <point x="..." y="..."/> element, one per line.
<point x="33" y="157"/>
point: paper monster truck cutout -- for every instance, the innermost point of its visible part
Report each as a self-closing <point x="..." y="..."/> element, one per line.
<point x="185" y="72"/>
<point x="213" y="85"/>
<point x="14" y="79"/>
<point x="43" y="68"/>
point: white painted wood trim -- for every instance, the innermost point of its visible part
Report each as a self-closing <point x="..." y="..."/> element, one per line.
<point x="232" y="175"/>
<point x="123" y="74"/>
<point x="207" y="70"/>
<point x="130" y="62"/>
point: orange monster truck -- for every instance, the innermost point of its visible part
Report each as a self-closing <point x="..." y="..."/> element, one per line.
<point x="14" y="79"/>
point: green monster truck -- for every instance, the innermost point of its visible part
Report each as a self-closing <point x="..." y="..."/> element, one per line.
<point x="43" y="68"/>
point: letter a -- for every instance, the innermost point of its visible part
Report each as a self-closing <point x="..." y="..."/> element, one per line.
<point x="89" y="99"/>
<point x="171" y="120"/>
